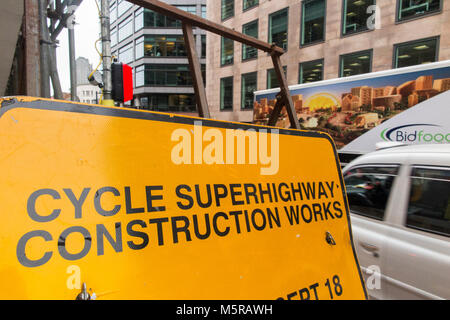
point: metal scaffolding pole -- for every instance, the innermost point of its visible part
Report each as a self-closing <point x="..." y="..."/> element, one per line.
<point x="32" y="49"/>
<point x="54" y="76"/>
<point x="73" y="67"/>
<point x="44" y="49"/>
<point x="61" y="13"/>
<point x="57" y="90"/>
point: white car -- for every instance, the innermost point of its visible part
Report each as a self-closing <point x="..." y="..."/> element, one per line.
<point x="399" y="200"/>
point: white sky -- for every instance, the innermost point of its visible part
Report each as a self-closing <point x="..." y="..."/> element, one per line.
<point x="87" y="31"/>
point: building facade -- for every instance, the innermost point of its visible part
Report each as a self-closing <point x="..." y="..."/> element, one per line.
<point x="323" y="39"/>
<point x="153" y="45"/>
<point x="83" y="69"/>
<point x="86" y="92"/>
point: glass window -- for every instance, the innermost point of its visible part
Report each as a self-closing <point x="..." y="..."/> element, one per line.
<point x="417" y="52"/>
<point x="408" y="9"/>
<point x="164" y="46"/>
<point x="226" y="93"/>
<point x="429" y="200"/>
<point x="113" y="37"/>
<point x="272" y="79"/>
<point x="156" y="20"/>
<point x="249" y="4"/>
<point x="140" y="48"/>
<point x="227" y="52"/>
<point x="311" y="71"/>
<point x="356" y="63"/>
<point x="278" y="28"/>
<point x="164" y="75"/>
<point x="313" y="21"/>
<point x="139" y="19"/>
<point x="250" y="29"/>
<point x="249" y="85"/>
<point x="113" y="12"/>
<point x="368" y="189"/>
<point x="355" y="15"/>
<point x="126" y="54"/>
<point x="227" y="9"/>
<point x="140" y="76"/>
<point x="203" y="39"/>
<point x="169" y="102"/>
<point x="204" y="12"/>
<point x="190" y="9"/>
<point x="123" y="7"/>
<point x="126" y="28"/>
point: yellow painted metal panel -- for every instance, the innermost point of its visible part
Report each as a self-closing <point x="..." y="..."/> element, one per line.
<point x="94" y="195"/>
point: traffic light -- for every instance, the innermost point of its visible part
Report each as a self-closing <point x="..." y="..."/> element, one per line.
<point x="122" y="82"/>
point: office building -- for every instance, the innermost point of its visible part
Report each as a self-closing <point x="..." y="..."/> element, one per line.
<point x="153" y="45"/>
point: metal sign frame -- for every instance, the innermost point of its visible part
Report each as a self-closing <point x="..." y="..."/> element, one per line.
<point x="189" y="21"/>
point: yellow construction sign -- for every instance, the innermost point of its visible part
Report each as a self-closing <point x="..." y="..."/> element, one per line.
<point x="146" y="205"/>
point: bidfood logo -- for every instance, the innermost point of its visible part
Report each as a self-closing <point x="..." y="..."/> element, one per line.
<point x="416" y="133"/>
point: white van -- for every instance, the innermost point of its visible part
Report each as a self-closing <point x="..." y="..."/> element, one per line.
<point x="399" y="200"/>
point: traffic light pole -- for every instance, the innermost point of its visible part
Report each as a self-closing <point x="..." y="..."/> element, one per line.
<point x="106" y="53"/>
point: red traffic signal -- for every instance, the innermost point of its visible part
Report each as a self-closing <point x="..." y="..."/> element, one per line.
<point x="122" y="82"/>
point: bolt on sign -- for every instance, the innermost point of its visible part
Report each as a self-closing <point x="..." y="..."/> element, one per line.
<point x="134" y="204"/>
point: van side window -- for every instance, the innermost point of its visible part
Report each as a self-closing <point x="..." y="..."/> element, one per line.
<point x="429" y="200"/>
<point x="368" y="189"/>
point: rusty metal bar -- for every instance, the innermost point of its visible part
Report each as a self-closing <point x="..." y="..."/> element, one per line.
<point x="276" y="111"/>
<point x="191" y="20"/>
<point x="194" y="65"/>
<point x="284" y="90"/>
